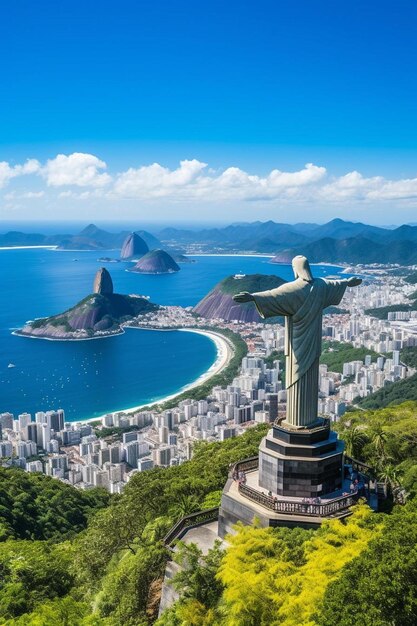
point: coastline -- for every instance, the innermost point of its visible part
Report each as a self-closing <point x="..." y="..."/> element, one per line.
<point x="224" y="354"/>
<point x="27" y="247"/>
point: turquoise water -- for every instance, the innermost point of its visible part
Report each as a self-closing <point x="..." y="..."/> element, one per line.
<point x="89" y="378"/>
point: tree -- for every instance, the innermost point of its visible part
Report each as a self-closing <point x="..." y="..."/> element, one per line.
<point x="185" y="505"/>
<point x="354" y="439"/>
<point x="379" y="439"/>
<point x="269" y="583"/>
<point x="31" y="572"/>
<point x="197" y="576"/>
<point x="379" y="587"/>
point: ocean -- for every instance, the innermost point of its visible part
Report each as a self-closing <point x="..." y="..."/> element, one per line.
<point x="90" y="378"/>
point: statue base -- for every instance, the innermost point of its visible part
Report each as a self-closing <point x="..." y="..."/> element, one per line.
<point x="301" y="462"/>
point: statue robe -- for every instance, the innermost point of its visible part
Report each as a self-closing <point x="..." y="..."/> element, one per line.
<point x="302" y="304"/>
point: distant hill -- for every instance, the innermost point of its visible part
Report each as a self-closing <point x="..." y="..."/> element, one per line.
<point x="337" y="241"/>
<point x="133" y="246"/>
<point x="219" y="303"/>
<point x="156" y="262"/>
<point x="89" y="238"/>
<point x="353" y="250"/>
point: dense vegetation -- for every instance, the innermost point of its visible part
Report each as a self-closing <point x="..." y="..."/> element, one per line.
<point x="409" y="357"/>
<point x="382" y="312"/>
<point x="33" y="506"/>
<point x="411" y="278"/>
<point x="391" y="393"/>
<point x="268" y="577"/>
<point x="358" y="571"/>
<point x="250" y="282"/>
<point x="398" y="392"/>
<point x="109" y="573"/>
<point x="336" y="353"/>
<point x="379" y="587"/>
<point x="385" y="439"/>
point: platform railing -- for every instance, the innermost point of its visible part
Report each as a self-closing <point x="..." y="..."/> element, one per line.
<point x="359" y="466"/>
<point x="190" y="521"/>
<point x="249" y="464"/>
<point x="292" y="507"/>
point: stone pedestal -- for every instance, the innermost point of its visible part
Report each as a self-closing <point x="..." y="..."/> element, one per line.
<point x="301" y="463"/>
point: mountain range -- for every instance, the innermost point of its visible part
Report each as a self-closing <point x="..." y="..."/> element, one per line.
<point x="337" y="241"/>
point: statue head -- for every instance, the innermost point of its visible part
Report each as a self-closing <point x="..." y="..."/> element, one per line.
<point x="301" y="268"/>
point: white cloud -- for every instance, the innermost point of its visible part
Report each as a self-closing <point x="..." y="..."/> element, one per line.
<point x="192" y="179"/>
<point x="404" y="189"/>
<point x="155" y="180"/>
<point x="79" y="169"/>
<point x="13" y="195"/>
<point x="7" y="171"/>
<point x="84" y="177"/>
<point x="355" y="186"/>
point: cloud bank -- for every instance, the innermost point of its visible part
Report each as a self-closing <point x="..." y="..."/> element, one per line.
<point x="81" y="176"/>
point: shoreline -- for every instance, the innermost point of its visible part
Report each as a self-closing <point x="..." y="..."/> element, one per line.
<point x="224" y="354"/>
<point x="27" y="247"/>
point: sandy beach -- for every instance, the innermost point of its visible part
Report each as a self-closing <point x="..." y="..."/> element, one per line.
<point x="224" y="354"/>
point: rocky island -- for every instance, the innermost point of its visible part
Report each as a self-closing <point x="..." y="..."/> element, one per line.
<point x="100" y="314"/>
<point x="156" y="262"/>
<point x="219" y="303"/>
<point x="133" y="247"/>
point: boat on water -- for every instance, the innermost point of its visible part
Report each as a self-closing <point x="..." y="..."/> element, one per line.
<point x="11" y="365"/>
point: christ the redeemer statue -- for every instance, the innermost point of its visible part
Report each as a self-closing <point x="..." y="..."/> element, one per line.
<point x="301" y="302"/>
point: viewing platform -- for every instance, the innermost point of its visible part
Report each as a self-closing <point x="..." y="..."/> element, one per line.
<point x="243" y="499"/>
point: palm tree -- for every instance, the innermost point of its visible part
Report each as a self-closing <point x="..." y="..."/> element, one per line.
<point x="391" y="478"/>
<point x="185" y="505"/>
<point x="354" y="439"/>
<point x="379" y="440"/>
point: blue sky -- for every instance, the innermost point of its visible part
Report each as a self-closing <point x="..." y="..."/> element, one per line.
<point x="245" y="88"/>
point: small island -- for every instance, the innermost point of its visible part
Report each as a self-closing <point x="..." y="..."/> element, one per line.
<point x="101" y="314"/>
<point x="156" y="262"/>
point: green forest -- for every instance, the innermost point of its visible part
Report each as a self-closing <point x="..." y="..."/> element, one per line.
<point x="90" y="559"/>
<point x="398" y="392"/>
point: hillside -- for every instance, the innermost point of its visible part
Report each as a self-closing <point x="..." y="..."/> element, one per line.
<point x="391" y="394"/>
<point x="99" y="314"/>
<point x="48" y="509"/>
<point x="96" y="315"/>
<point x="382" y="312"/>
<point x="107" y="573"/>
<point x="133" y="246"/>
<point x="120" y="558"/>
<point x="356" y="249"/>
<point x="335" y="353"/>
<point x="156" y="262"/>
<point x="219" y="303"/>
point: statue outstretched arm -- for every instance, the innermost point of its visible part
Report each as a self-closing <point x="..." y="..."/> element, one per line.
<point x="270" y="303"/>
<point x="336" y="289"/>
<point x="243" y="296"/>
<point x="354" y="281"/>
